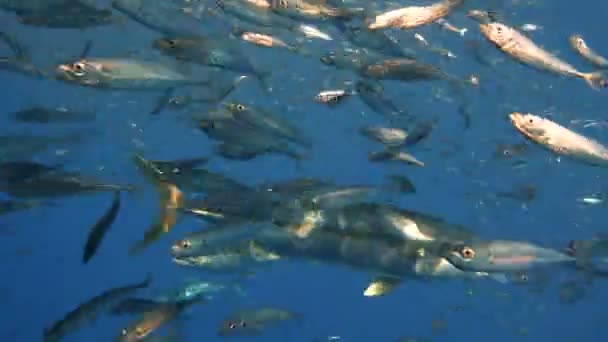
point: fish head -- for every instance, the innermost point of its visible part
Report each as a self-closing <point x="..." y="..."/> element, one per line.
<point x="480" y="16"/>
<point x="235" y="107"/>
<point x="236" y="326"/>
<point x="577" y="42"/>
<point x="187" y="247"/>
<point x="83" y="72"/>
<point x="132" y="333"/>
<point x="530" y="125"/>
<point x="499" y="34"/>
<point x="328" y="58"/>
<point x="174" y="45"/>
<point x="460" y="254"/>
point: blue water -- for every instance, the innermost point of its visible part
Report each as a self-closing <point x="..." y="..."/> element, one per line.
<point x="42" y="274"/>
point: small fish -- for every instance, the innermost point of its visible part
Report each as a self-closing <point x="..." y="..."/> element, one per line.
<point x="524" y="193"/>
<point x="389" y="136"/>
<point x="42" y="115"/>
<point x="254" y="322"/>
<point x="391" y="155"/>
<point x="153" y="319"/>
<point x="446" y="25"/>
<point x="68" y="18"/>
<point x="413" y="16"/>
<point x="523" y="49"/>
<point x="403" y="69"/>
<point x="559" y="139"/>
<point x="208" y="51"/>
<point x="122" y="74"/>
<point x="501" y="256"/>
<point x="265" y="40"/>
<point x="89" y="310"/>
<point x="332" y="97"/>
<point x="19" y="171"/>
<point x="100" y="229"/>
<point x="371" y="92"/>
<point x="579" y="45"/>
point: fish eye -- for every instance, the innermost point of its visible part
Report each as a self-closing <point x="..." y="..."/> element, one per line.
<point x="580" y="42"/>
<point x="124" y="332"/>
<point x="186" y="244"/>
<point x="240" y="107"/>
<point x="243" y="324"/>
<point x="467" y="252"/>
<point x="530" y="121"/>
<point x="506" y="153"/>
<point x="524" y="277"/>
<point x="232" y="325"/>
<point x="78" y="68"/>
<point x="171" y="42"/>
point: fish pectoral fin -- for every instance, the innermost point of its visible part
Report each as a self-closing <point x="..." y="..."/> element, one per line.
<point x="596" y="80"/>
<point x="381" y="285"/>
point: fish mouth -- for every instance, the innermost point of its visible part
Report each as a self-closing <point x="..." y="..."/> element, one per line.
<point x="64" y="71"/>
<point x="518" y="120"/>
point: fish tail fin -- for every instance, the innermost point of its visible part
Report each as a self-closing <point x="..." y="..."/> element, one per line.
<point x="596" y="80"/>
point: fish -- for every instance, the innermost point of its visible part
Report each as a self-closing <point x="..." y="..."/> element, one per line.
<point x="171" y="200"/>
<point x="559" y="139"/>
<point x="43" y="115"/>
<point x="265" y="40"/>
<point x="268" y="121"/>
<point x="123" y="74"/>
<point x="208" y="51"/>
<point x="153" y="319"/>
<point x="254" y="322"/>
<point x="523" y="49"/>
<point x="311" y="9"/>
<point x="218" y="236"/>
<point x="332" y="97"/>
<point x="238" y="257"/>
<point x="413" y="16"/>
<point x="389" y="136"/>
<point x="403" y="69"/>
<point x="165" y="17"/>
<point x="579" y="45"/>
<point x="502" y="255"/>
<point x="100" y="229"/>
<point x="371" y="92"/>
<point x="69" y="18"/>
<point x="19" y="171"/>
<point x="60" y="184"/>
<point x="393" y="155"/>
<point x="89" y="310"/>
<point x="375" y="40"/>
<point x="17" y="146"/>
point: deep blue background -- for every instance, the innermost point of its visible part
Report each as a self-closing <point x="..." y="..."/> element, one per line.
<point x="43" y="278"/>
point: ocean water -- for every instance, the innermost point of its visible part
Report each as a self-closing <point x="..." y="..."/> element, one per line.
<point x="43" y="277"/>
